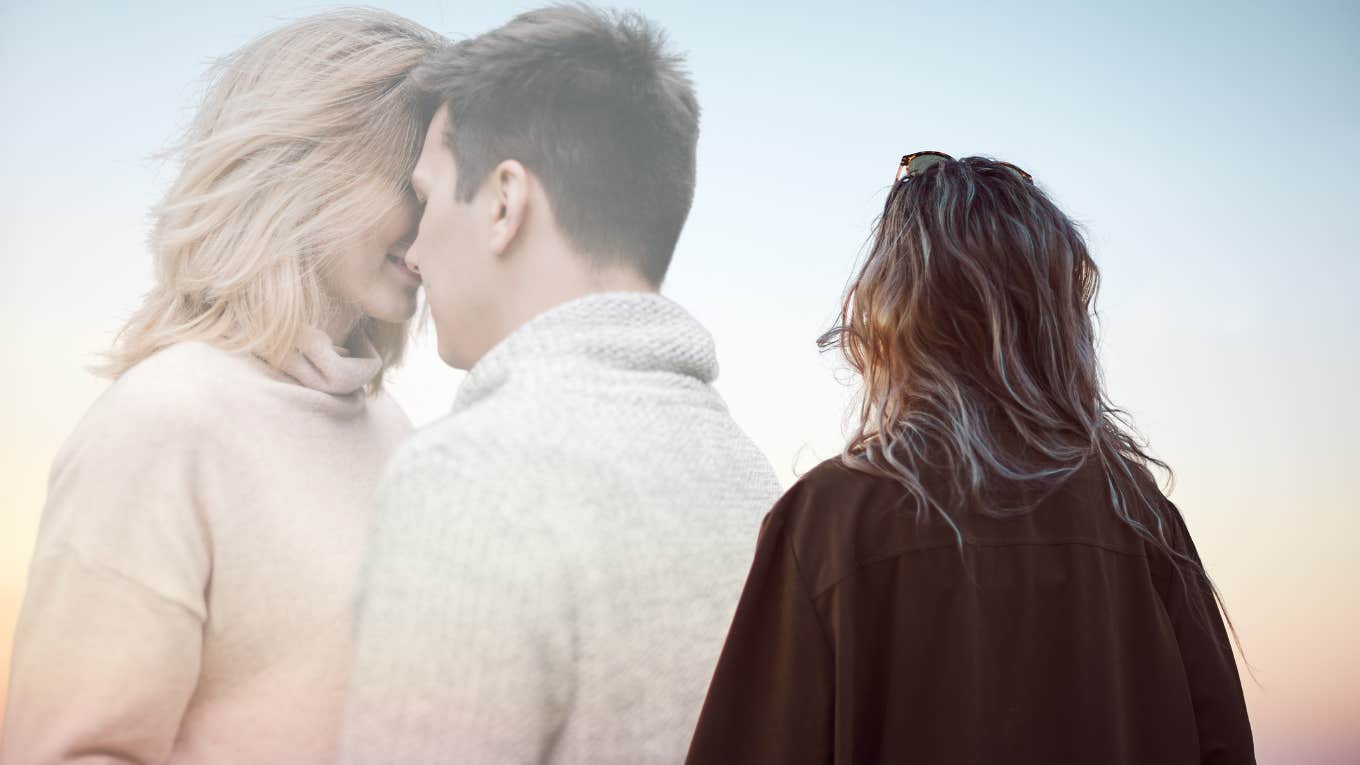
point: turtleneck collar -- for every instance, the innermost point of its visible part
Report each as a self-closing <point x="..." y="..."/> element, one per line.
<point x="618" y="331"/>
<point x="321" y="365"/>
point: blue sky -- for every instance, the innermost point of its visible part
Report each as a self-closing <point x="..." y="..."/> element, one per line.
<point x="1211" y="151"/>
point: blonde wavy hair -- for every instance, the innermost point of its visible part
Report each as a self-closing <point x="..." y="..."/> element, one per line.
<point x="305" y="139"/>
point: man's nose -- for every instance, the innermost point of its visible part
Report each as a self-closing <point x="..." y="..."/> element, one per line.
<point x="412" y="262"/>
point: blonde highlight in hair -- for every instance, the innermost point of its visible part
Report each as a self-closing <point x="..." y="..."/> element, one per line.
<point x="305" y="138"/>
<point x="971" y="325"/>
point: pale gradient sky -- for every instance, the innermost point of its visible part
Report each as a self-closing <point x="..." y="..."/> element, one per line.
<point x="1212" y="154"/>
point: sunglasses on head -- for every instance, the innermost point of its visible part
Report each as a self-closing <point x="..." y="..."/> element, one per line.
<point x="918" y="162"/>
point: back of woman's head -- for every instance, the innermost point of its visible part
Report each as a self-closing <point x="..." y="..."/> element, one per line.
<point x="304" y="140"/>
<point x="971" y="325"/>
<point x="974" y="303"/>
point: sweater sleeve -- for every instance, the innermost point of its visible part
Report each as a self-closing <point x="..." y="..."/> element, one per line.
<point x="464" y="634"/>
<point x="1215" y="687"/>
<point x="771" y="698"/>
<point x="107" y="649"/>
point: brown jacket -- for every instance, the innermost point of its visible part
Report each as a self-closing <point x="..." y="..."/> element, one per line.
<point x="861" y="637"/>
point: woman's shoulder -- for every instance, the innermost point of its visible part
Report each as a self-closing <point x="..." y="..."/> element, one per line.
<point x="391" y="420"/>
<point x="836" y="518"/>
<point x="170" y="391"/>
<point x="195" y="361"/>
<point x="147" y="421"/>
<point x="840" y="517"/>
<point x="218" y="387"/>
<point x="833" y="487"/>
<point x="196" y="372"/>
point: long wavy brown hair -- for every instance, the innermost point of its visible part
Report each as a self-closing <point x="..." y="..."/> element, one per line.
<point x="971" y="324"/>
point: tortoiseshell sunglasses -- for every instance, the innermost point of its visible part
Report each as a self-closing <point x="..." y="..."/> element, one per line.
<point x="917" y="162"/>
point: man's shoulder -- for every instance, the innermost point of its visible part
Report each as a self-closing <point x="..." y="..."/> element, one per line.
<point x="471" y="448"/>
<point x="453" y="438"/>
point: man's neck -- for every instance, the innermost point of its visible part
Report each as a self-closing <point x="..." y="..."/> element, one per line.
<point x="602" y="333"/>
<point x="561" y="280"/>
<point x="616" y="279"/>
<point x="569" y="284"/>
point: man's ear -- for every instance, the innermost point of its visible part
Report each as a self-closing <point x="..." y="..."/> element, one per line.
<point x="509" y="183"/>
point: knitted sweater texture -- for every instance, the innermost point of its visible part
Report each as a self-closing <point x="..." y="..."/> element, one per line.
<point x="554" y="566"/>
<point x="190" y="597"/>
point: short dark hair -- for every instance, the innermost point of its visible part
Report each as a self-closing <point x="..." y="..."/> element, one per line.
<point x="594" y="104"/>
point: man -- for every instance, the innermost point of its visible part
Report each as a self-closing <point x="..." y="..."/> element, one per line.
<point x="554" y="565"/>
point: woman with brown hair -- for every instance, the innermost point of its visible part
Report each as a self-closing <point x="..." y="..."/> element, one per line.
<point x="989" y="572"/>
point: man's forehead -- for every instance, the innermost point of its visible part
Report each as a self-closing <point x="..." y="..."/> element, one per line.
<point x="438" y="128"/>
<point x="431" y="154"/>
<point x="435" y="146"/>
<point x="441" y="119"/>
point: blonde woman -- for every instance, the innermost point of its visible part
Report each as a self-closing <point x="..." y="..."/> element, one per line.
<point x="190" y="594"/>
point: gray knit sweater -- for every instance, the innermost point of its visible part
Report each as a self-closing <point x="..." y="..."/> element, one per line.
<point x="554" y="566"/>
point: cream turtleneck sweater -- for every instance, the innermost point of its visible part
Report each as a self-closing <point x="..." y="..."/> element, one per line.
<point x="190" y="596"/>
